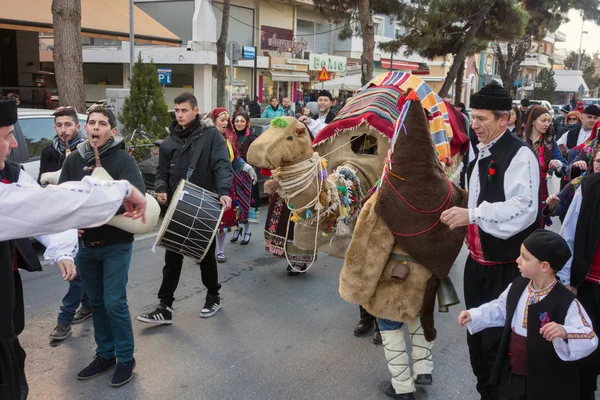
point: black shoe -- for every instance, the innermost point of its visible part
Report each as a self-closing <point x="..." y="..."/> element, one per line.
<point x="387" y="388"/>
<point x="377" y="337"/>
<point x="424" y="379"/>
<point x="61" y="332"/>
<point x="236" y="235"/>
<point x="98" y="366"/>
<point x="123" y="373"/>
<point x="296" y="270"/>
<point x="246" y="239"/>
<point x="82" y="314"/>
<point x="211" y="307"/>
<point x="363" y="328"/>
<point x="163" y="315"/>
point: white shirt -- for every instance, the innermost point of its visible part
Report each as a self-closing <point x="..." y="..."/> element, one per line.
<point x="581" y="338"/>
<point x="582" y="137"/>
<point x="504" y="219"/>
<point x="567" y="231"/>
<point x="315" y="125"/>
<point x="29" y="210"/>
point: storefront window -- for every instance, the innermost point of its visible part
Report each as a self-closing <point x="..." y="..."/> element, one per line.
<point x="242" y="84"/>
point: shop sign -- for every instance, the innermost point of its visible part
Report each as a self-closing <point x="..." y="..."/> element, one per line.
<point x="297" y="61"/>
<point x="284" y="66"/>
<point x="332" y="63"/>
<point x="281" y="40"/>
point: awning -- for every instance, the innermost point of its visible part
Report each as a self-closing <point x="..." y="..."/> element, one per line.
<point x="99" y="19"/>
<point x="290" y="76"/>
<point x="408" y="66"/>
<point x="569" y="83"/>
<point x="349" y="82"/>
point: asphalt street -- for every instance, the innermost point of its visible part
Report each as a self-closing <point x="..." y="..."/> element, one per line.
<point x="276" y="337"/>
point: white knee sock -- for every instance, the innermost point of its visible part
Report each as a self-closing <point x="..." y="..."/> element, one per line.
<point x="394" y="347"/>
<point x="220" y="243"/>
<point x="246" y="228"/>
<point x="421" y="349"/>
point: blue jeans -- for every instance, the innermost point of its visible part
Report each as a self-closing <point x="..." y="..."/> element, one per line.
<point x="75" y="296"/>
<point x="389" y="325"/>
<point x="104" y="271"/>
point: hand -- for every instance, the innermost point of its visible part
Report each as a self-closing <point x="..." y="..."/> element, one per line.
<point x="135" y="205"/>
<point x="464" y="317"/>
<point x="67" y="269"/>
<point x="552" y="330"/>
<point x="552" y="201"/>
<point x="572" y="289"/>
<point x="252" y="173"/>
<point x="79" y="232"/>
<point x="582" y="165"/>
<point x="225" y="202"/>
<point x="161" y="197"/>
<point x="304" y="119"/>
<point x="455" y="217"/>
<point x="554" y="164"/>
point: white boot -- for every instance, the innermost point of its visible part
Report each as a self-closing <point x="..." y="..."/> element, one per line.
<point x="421" y="350"/>
<point x="394" y="346"/>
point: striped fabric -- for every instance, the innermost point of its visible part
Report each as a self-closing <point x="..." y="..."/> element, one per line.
<point x="243" y="195"/>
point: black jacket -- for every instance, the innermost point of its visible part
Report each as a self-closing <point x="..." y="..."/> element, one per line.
<point x="254" y="110"/>
<point x="212" y="172"/>
<point x="50" y="160"/>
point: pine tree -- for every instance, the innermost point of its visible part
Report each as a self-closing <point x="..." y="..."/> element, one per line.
<point x="144" y="109"/>
<point x="547" y="88"/>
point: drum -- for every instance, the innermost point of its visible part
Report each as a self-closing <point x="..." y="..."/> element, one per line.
<point x="191" y="221"/>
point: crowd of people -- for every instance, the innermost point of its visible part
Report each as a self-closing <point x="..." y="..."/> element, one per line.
<point x="532" y="296"/>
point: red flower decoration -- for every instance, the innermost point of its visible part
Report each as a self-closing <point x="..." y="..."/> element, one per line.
<point x="492" y="171"/>
<point x="5" y="181"/>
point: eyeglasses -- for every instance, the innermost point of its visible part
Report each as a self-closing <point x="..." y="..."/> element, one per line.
<point x="572" y="119"/>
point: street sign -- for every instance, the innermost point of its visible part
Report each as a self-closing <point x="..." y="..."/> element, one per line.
<point x="324" y="75"/>
<point x="234" y="50"/>
<point x="248" y="52"/>
<point x="164" y="76"/>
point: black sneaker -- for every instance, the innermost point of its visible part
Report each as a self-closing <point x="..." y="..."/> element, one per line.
<point x="61" y="332"/>
<point x="98" y="366"/>
<point x="211" y="307"/>
<point x="82" y="314"/>
<point x="163" y="315"/>
<point x="123" y="373"/>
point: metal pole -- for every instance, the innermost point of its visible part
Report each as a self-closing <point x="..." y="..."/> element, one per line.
<point x="230" y="80"/>
<point x="131" y="41"/>
<point x="254" y="74"/>
<point x="580" y="42"/>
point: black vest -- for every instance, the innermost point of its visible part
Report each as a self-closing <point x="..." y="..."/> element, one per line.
<point x="572" y="137"/>
<point x="502" y="153"/>
<point x="548" y="377"/>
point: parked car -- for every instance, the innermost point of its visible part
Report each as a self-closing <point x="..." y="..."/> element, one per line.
<point x="149" y="165"/>
<point x="33" y="131"/>
<point x="590" y="101"/>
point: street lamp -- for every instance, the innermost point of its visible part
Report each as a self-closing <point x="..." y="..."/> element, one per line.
<point x="580" y="40"/>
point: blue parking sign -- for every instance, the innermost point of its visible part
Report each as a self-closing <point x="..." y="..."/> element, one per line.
<point x="164" y="76"/>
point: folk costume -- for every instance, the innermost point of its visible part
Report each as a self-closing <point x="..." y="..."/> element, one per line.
<point x="503" y="206"/>
<point x="245" y="137"/>
<point x="527" y="365"/>
<point x="582" y="271"/>
<point x="546" y="150"/>
<point x="241" y="187"/>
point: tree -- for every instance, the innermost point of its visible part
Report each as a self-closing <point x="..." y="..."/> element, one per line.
<point x="221" y="49"/>
<point x="547" y="85"/>
<point x="461" y="28"/>
<point x="144" y="110"/>
<point x="68" y="54"/>
<point x="587" y="67"/>
<point x="347" y="13"/>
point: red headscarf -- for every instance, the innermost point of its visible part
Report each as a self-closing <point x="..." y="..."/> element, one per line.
<point x="229" y="133"/>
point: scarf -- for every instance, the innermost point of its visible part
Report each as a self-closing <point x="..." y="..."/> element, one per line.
<point x="179" y="131"/>
<point x="90" y="158"/>
<point x="60" y="147"/>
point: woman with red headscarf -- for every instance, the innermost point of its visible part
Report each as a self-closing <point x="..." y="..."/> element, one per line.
<point x="243" y="179"/>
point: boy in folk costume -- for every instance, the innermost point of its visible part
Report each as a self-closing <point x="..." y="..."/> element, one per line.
<point x="545" y="326"/>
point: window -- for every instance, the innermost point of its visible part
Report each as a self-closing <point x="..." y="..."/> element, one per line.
<point x="398" y="30"/>
<point x="378" y="25"/>
<point x="38" y="133"/>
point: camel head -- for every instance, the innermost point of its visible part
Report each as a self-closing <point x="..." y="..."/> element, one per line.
<point x="286" y="142"/>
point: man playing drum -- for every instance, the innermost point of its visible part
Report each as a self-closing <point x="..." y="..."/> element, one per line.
<point x="191" y="134"/>
<point x="105" y="251"/>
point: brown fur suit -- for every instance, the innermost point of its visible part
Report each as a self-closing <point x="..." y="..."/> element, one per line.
<point x="425" y="186"/>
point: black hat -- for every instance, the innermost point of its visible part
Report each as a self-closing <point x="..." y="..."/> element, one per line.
<point x="325" y="93"/>
<point x="592" y="110"/>
<point x="525" y="102"/>
<point x="8" y="111"/>
<point x="548" y="246"/>
<point x="491" y="97"/>
<point x="565" y="109"/>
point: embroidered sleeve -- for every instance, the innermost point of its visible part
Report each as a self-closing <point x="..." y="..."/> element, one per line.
<point x="567" y="231"/>
<point x="521" y="185"/>
<point x="581" y="339"/>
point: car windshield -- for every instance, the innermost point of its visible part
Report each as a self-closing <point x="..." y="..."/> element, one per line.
<point x="39" y="132"/>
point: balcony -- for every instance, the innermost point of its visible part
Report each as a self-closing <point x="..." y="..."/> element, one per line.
<point x="536" y="60"/>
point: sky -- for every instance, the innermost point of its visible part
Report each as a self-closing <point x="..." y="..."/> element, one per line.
<point x="572" y="30"/>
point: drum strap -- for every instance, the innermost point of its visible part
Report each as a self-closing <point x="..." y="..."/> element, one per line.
<point x="195" y="157"/>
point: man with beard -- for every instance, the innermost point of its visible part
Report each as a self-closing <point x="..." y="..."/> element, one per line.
<point x="66" y="126"/>
<point x="105" y="251"/>
<point x="325" y="116"/>
<point x="503" y="210"/>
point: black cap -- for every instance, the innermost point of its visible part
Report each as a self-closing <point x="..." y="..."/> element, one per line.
<point x="325" y="93"/>
<point x="592" y="110"/>
<point x="565" y="109"/>
<point x="525" y="102"/>
<point x="548" y="246"/>
<point x="492" y="97"/>
<point x="8" y="111"/>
